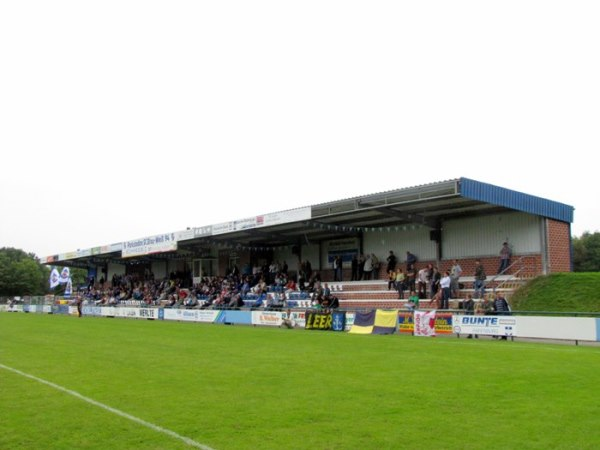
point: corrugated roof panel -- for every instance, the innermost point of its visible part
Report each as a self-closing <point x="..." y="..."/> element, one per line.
<point x="518" y="201"/>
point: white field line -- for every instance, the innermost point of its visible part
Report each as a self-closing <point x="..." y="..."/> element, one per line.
<point x="187" y="440"/>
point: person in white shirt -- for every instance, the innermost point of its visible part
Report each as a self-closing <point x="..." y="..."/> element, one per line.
<point x="445" y="285"/>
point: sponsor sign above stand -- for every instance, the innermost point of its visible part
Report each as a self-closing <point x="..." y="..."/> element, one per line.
<point x="203" y="231"/>
<point x="184" y="235"/>
<point x="153" y="244"/>
<point x="277" y="218"/>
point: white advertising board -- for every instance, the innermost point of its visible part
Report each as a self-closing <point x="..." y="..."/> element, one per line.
<point x="190" y="315"/>
<point x="148" y="245"/>
<point x="573" y="328"/>
<point x="485" y="325"/>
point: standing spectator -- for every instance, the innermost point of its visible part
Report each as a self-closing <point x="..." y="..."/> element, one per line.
<point x="78" y="301"/>
<point x="501" y="308"/>
<point x="400" y="286"/>
<point x="308" y="268"/>
<point x="480" y="278"/>
<point x="411" y="259"/>
<point x="391" y="262"/>
<point x="445" y="285"/>
<point x="434" y="281"/>
<point x="469" y="308"/>
<point x="368" y="267"/>
<point x="505" y="254"/>
<point x="422" y="281"/>
<point x="354" y="263"/>
<point x="455" y="273"/>
<point x="375" y="264"/>
<point x="391" y="279"/>
<point x="411" y="278"/>
<point x="361" y="267"/>
<point x="337" y="268"/>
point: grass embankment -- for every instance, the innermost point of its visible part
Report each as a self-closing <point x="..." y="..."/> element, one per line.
<point x="560" y="292"/>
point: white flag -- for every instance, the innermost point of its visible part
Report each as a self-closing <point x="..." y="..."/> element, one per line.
<point x="54" y="278"/>
<point x="424" y="323"/>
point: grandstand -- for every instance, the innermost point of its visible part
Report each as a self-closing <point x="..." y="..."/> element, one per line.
<point x="459" y="219"/>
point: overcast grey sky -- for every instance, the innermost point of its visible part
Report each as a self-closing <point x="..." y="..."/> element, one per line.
<point x="124" y="119"/>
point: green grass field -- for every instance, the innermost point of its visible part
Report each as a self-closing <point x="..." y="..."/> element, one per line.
<point x="240" y="387"/>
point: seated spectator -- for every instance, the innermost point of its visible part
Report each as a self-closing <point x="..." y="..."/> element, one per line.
<point x="483" y="306"/>
<point x="334" y="302"/>
<point x="190" y="301"/>
<point x="260" y="301"/>
<point x="290" y="286"/>
<point x="171" y="301"/>
<point x="276" y="302"/>
<point x="260" y="287"/>
<point x="207" y="303"/>
<point x="236" y="301"/>
<point x="413" y="301"/>
<point x="137" y="294"/>
<point x="245" y="287"/>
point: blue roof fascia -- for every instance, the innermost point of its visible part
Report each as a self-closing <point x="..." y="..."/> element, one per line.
<point x="484" y="192"/>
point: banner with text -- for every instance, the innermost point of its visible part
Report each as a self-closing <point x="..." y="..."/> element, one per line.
<point x="153" y="244"/>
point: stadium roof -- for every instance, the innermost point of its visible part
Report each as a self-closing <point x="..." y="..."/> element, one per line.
<point x="426" y="205"/>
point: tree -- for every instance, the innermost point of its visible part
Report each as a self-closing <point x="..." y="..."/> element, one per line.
<point x="21" y="273"/>
<point x="586" y="252"/>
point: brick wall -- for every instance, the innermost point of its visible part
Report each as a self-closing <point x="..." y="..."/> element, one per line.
<point x="530" y="266"/>
<point x="559" y="246"/>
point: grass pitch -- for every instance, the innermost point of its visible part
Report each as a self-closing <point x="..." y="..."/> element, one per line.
<point x="239" y="387"/>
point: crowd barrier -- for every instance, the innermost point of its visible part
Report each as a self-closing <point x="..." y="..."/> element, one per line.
<point x="441" y="323"/>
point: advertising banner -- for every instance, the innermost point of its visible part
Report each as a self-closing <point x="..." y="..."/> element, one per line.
<point x="485" y="325"/>
<point x="295" y="318"/>
<point x="406" y="323"/>
<point x="272" y="318"/>
<point x="191" y="315"/>
<point x="89" y="310"/>
<point x="443" y="323"/>
<point x="338" y="322"/>
<point x="148" y="245"/>
<point x="318" y="321"/>
<point x="235" y="316"/>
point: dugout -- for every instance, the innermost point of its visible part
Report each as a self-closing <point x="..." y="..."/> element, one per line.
<point x="438" y="222"/>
